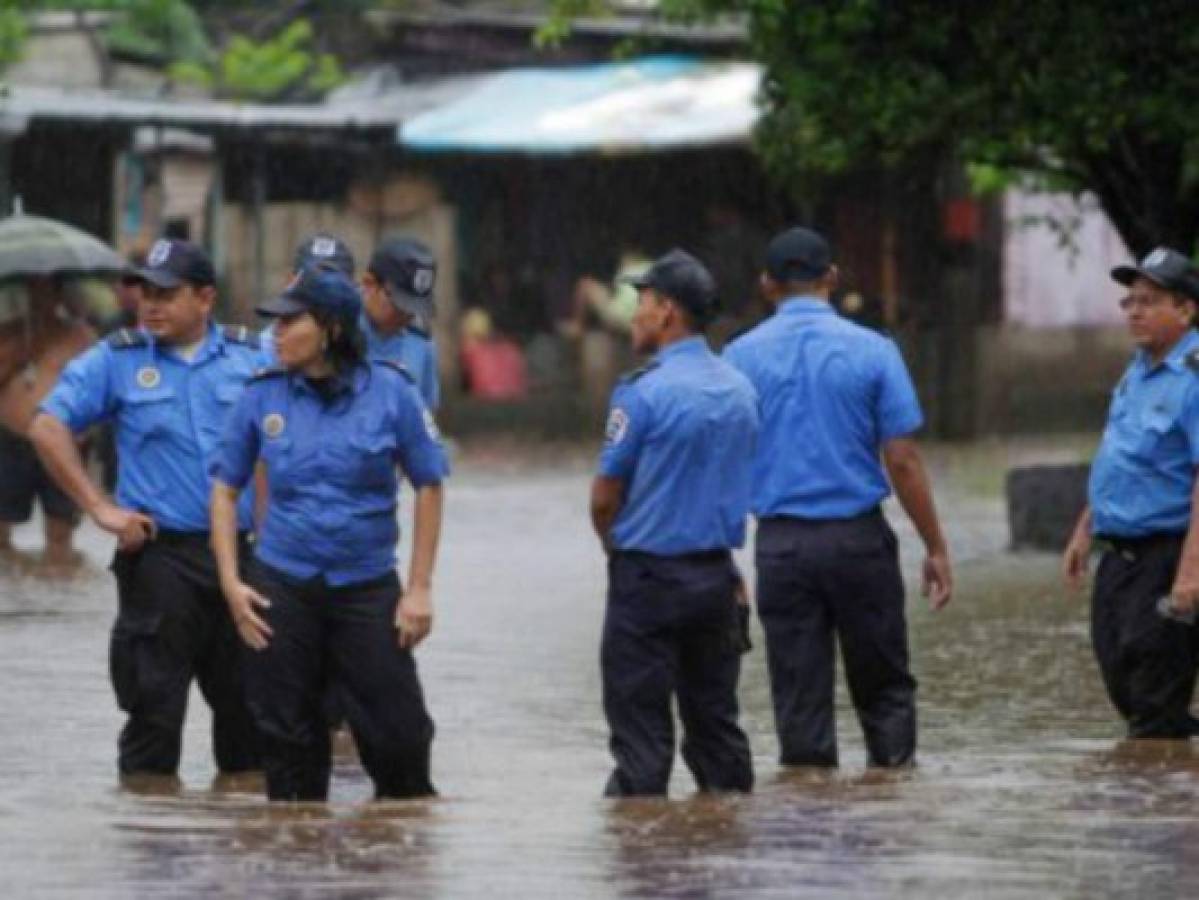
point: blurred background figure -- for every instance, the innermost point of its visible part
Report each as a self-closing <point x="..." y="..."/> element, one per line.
<point x="52" y="331"/>
<point x="601" y="323"/>
<point x="493" y="365"/>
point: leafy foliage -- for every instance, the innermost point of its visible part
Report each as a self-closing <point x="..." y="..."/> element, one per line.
<point x="266" y="70"/>
<point x="172" y="32"/>
<point x="1091" y="95"/>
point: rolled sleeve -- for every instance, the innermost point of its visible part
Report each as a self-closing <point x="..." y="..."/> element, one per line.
<point x="239" y="445"/>
<point x="898" y="408"/>
<point x="628" y="421"/>
<point x="83" y="395"/>
<point x="422" y="454"/>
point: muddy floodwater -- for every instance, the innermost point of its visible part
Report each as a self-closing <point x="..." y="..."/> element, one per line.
<point x="1024" y="788"/>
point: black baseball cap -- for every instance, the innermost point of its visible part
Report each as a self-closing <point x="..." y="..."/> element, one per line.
<point x="172" y="262"/>
<point x="409" y="270"/>
<point x="684" y="279"/>
<point x="317" y="287"/>
<point x="1166" y="268"/>
<point x="323" y="247"/>
<point x="798" y="254"/>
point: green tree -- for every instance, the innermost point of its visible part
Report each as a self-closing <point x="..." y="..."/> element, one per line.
<point x="172" y="32"/>
<point x="1085" y="95"/>
<point x="269" y="69"/>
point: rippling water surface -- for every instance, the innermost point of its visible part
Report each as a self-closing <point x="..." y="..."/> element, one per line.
<point x="1024" y="788"/>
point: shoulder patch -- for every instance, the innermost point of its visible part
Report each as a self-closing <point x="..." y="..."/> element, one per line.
<point x="630" y="377"/>
<point x="1192" y="361"/>
<point x="127" y="339"/>
<point x="268" y="372"/>
<point x="241" y="334"/>
<point x="397" y="366"/>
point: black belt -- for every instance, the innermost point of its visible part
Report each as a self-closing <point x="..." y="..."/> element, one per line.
<point x="875" y="512"/>
<point x="1131" y="548"/>
<point x="694" y="556"/>
<point x="167" y="536"/>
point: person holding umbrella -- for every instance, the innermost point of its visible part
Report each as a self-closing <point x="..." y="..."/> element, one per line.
<point x="40" y="330"/>
<point x="320" y="606"/>
<point x="55" y="333"/>
<point x="168" y="387"/>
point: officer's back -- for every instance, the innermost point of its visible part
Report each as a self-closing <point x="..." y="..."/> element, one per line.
<point x="831" y="392"/>
<point x="690" y="420"/>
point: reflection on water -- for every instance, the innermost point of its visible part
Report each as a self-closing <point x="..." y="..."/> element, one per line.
<point x="1024" y="787"/>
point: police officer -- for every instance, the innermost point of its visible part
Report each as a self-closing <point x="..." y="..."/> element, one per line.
<point x="320" y="249"/>
<point x="1141" y="496"/>
<point x="669" y="502"/>
<point x="321" y="605"/>
<point x="397" y="292"/>
<point x="167" y="387"/>
<point x="833" y="397"/>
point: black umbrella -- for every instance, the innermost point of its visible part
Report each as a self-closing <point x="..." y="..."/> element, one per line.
<point x="32" y="246"/>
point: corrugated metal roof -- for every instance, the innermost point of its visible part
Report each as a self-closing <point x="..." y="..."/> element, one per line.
<point x="655" y="103"/>
<point x="20" y="105"/>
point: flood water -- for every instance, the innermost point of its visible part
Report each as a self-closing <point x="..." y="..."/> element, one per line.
<point x="1024" y="788"/>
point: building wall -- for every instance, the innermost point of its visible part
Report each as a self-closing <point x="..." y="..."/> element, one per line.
<point x="1055" y="278"/>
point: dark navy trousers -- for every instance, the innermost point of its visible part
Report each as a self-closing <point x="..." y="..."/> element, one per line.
<point x="1148" y="663"/>
<point x="671" y="631"/>
<point x="173" y="626"/>
<point x="341" y="638"/>
<point x="820" y="580"/>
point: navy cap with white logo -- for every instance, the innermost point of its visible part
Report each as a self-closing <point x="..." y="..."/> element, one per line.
<point x="409" y="271"/>
<point x="1166" y="268"/>
<point x="322" y="286"/>
<point x="684" y="279"/>
<point x="171" y="263"/>
<point x="323" y="247"/>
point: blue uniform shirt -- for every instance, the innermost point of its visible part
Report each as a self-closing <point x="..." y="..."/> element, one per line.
<point x="331" y="466"/>
<point x="1144" y="472"/>
<point x="830" y="393"/>
<point x="681" y="434"/>
<point x="168" y="413"/>
<point x="417" y="353"/>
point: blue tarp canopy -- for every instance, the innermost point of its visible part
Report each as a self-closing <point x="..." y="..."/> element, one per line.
<point x="654" y="103"/>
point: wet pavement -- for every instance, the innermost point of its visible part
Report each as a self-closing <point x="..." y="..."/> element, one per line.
<point x="1024" y="788"/>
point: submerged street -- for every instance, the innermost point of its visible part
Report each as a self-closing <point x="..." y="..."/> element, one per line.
<point x="1024" y="788"/>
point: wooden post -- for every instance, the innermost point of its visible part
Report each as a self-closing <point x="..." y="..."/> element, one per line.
<point x="258" y="218"/>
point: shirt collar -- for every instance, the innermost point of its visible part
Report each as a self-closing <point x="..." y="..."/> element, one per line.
<point x="1176" y="359"/>
<point x="685" y="347"/>
<point x="214" y="342"/>
<point x="803" y="304"/>
<point x="352" y="383"/>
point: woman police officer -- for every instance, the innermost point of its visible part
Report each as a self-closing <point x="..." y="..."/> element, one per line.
<point x="319" y="603"/>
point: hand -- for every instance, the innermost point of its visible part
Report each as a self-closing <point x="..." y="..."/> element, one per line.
<point x="1074" y="560"/>
<point x="741" y="592"/>
<point x="938" y="580"/>
<point x="1185" y="595"/>
<point x="244" y="603"/>
<point x="132" y="528"/>
<point x="414" y="616"/>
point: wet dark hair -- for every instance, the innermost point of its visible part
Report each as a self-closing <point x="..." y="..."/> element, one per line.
<point x="347" y="343"/>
